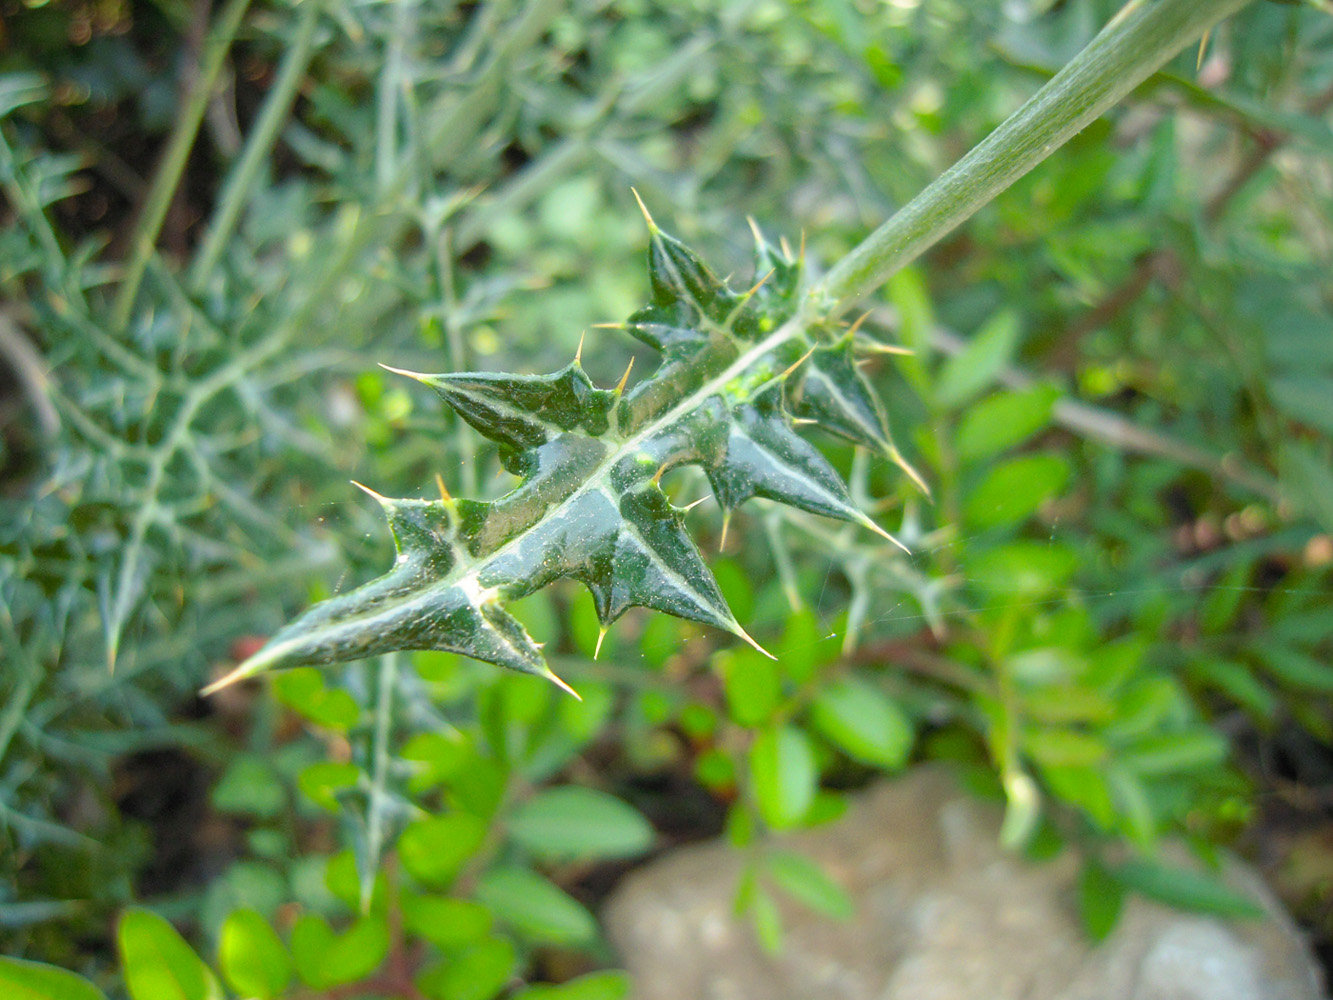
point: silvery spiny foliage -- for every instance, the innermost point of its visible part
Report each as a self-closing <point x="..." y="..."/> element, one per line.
<point x="738" y="370"/>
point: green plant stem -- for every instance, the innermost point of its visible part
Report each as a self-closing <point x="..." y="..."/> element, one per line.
<point x="169" y="171"/>
<point x="262" y="138"/>
<point x="1137" y="41"/>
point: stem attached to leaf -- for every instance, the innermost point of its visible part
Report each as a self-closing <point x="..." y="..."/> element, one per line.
<point x="1134" y="45"/>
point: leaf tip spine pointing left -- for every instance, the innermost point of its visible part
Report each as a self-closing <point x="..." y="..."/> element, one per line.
<point x="652" y="226"/>
<point x="419" y="376"/>
<point x="739" y="631"/>
<point x="369" y="492"/>
<point x="248" y="668"/>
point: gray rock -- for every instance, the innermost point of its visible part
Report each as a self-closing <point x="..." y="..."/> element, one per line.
<point x="942" y="913"/>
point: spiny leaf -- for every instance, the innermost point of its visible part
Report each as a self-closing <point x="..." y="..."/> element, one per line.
<point x="589" y="505"/>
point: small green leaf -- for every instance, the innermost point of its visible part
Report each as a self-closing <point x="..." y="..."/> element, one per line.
<point x="158" y="964"/>
<point x="783" y="776"/>
<point x="1307" y="478"/>
<point x="320" y="782"/>
<point x="1053" y="747"/>
<point x="324" y="959"/>
<point x="606" y="985"/>
<point x="444" y="922"/>
<point x="249" y="787"/>
<point x="480" y="787"/>
<point x="980" y="362"/>
<point x="304" y="692"/>
<point x="436" y="848"/>
<point x="1003" y="420"/>
<point x="751" y="684"/>
<point x="1297" y="668"/>
<point x="1015" y="489"/>
<point x="1185" y="889"/>
<point x="806" y="645"/>
<point x="438" y="756"/>
<point x="576" y="822"/>
<point x="766" y="921"/>
<point x="715" y="770"/>
<point x="1062" y="703"/>
<point x="1307" y="398"/>
<point x="736" y="587"/>
<point x="342" y="879"/>
<point x="911" y="298"/>
<point x="1160" y="754"/>
<point x="1023" y="569"/>
<point x="805" y="881"/>
<point x="536" y="908"/>
<point x="1238" y="682"/>
<point x="24" y="980"/>
<point x="1086" y="788"/>
<point x="863" y="722"/>
<point x="478" y="972"/>
<point x="1134" y="805"/>
<point x="1101" y="897"/>
<point x="253" y="959"/>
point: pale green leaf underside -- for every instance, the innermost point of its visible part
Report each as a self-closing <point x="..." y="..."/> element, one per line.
<point x="589" y="506"/>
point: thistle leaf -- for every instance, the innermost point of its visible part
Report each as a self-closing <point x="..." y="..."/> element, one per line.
<point x="589" y="505"/>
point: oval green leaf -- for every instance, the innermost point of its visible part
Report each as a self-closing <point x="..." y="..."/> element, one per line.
<point x="23" y="980"/>
<point x="864" y="723"/>
<point x="1003" y="420"/>
<point x="980" y="362"/>
<point x="783" y="776"/>
<point x="1188" y="890"/>
<point x="806" y="881"/>
<point x="158" y="964"/>
<point x="536" y="908"/>
<point x="1100" y="900"/>
<point x="606" y="985"/>
<point x="436" y="848"/>
<point x="324" y="959"/>
<point x="444" y="922"/>
<point x="576" y="822"/>
<point x="253" y="960"/>
<point x="1014" y="490"/>
<point x="479" y="972"/>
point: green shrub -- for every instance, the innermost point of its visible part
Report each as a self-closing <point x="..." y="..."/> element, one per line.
<point x="412" y="173"/>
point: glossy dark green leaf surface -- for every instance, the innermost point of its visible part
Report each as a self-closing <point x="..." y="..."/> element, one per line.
<point x="589" y="507"/>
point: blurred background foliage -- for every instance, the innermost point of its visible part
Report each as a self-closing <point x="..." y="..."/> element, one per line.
<point x="216" y="222"/>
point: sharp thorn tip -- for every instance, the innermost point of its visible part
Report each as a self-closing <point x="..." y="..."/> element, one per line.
<point x="419" y="376"/>
<point x="644" y="209"/>
<point x="368" y="491"/>
<point x="550" y="675"/>
<point x="750" y="639"/>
